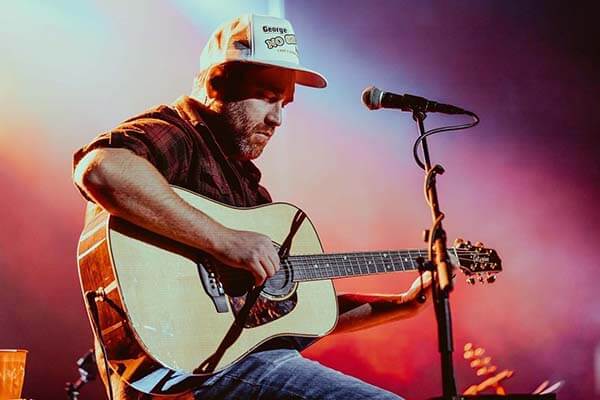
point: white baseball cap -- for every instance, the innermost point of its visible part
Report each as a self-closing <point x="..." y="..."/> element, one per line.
<point x="258" y="39"/>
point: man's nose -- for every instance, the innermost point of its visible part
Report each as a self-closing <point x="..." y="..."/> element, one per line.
<point x="274" y="116"/>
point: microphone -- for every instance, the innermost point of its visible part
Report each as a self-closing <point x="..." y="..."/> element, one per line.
<point x="375" y="99"/>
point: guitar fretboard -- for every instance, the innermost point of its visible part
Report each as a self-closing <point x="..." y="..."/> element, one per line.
<point x="339" y="265"/>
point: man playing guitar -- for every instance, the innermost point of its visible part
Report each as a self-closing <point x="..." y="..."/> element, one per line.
<point x="205" y="143"/>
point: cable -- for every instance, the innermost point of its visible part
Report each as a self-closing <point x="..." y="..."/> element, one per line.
<point x="429" y="180"/>
<point x="439" y="130"/>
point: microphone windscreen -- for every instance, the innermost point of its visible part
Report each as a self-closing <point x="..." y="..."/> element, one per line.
<point x="371" y="97"/>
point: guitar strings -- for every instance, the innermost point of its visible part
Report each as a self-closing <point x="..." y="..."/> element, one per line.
<point x="305" y="266"/>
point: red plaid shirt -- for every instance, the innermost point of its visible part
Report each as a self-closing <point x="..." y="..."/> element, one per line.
<point x="177" y="141"/>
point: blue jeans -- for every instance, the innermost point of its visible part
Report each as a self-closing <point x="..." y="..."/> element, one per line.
<point x="285" y="374"/>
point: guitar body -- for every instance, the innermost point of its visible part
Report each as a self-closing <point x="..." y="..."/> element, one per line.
<point x="166" y="321"/>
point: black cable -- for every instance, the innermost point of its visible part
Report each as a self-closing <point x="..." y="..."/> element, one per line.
<point x="439" y="130"/>
<point x="90" y="300"/>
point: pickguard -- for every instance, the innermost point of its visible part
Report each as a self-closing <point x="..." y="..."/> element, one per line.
<point x="277" y="298"/>
<point x="264" y="310"/>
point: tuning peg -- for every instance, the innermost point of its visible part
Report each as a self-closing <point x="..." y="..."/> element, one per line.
<point x="491" y="279"/>
<point x="471" y="280"/>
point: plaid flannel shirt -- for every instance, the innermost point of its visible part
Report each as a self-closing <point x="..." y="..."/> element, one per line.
<point x="179" y="143"/>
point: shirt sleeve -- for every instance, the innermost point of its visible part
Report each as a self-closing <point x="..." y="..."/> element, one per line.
<point x="163" y="144"/>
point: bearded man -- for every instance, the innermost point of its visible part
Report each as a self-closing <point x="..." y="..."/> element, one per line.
<point x="206" y="143"/>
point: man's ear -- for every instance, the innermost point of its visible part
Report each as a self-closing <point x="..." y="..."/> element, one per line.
<point x="215" y="83"/>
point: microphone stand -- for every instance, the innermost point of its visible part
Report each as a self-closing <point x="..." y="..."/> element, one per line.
<point x="87" y="372"/>
<point x="441" y="269"/>
<point x="441" y="272"/>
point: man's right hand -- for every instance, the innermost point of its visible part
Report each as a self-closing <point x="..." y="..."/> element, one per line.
<point x="129" y="187"/>
<point x="251" y="251"/>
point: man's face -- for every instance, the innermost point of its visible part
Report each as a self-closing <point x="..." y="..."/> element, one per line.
<point x="252" y="108"/>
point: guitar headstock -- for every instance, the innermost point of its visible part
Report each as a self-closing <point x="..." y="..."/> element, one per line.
<point x="478" y="263"/>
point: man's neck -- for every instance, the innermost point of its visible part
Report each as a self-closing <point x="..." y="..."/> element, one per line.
<point x="210" y="115"/>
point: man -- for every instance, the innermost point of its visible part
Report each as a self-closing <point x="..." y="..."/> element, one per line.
<point x="205" y="143"/>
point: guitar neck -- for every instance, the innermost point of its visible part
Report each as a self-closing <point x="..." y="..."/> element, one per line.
<point x="311" y="267"/>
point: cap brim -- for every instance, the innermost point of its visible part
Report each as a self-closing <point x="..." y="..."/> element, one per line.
<point x="310" y="78"/>
<point x="304" y="76"/>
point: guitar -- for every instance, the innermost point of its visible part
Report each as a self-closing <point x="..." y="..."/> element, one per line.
<point x="168" y="315"/>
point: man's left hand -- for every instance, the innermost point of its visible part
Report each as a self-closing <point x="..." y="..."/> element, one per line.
<point x="419" y="291"/>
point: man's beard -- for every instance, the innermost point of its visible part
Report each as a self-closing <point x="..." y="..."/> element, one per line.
<point x="240" y="129"/>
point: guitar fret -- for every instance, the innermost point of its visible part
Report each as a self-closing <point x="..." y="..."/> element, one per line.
<point x="387" y="262"/>
<point x="311" y="266"/>
<point x="296" y="267"/>
<point x="411" y="259"/>
<point x="314" y="267"/>
<point x="325" y="270"/>
<point x="343" y="265"/>
<point x="396" y="262"/>
<point x="317" y="269"/>
<point x="402" y="260"/>
<point x="369" y="262"/>
<point x="356" y="266"/>
<point x="308" y="271"/>
<point x="350" y="266"/>
<point x="335" y="268"/>
<point x="364" y="268"/>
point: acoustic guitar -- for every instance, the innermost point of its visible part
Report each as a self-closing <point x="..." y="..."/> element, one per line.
<point x="169" y="315"/>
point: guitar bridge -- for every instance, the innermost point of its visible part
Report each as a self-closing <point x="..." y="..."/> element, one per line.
<point x="213" y="287"/>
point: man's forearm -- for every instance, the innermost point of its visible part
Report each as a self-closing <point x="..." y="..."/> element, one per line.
<point x="129" y="187"/>
<point x="362" y="311"/>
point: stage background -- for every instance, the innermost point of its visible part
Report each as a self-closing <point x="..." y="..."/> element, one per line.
<point x="525" y="181"/>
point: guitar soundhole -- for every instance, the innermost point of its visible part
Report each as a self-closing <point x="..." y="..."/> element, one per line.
<point x="277" y="299"/>
<point x="279" y="285"/>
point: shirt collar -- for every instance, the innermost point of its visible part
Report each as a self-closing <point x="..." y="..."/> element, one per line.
<point x="196" y="113"/>
<point x="191" y="109"/>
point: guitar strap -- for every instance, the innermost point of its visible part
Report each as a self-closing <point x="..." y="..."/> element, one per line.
<point x="297" y="221"/>
<point x="234" y="332"/>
